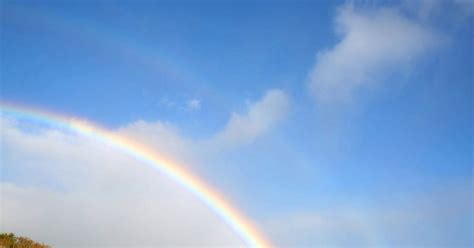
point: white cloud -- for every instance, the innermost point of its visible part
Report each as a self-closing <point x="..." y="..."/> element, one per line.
<point x="415" y="220"/>
<point x="373" y="42"/>
<point x="71" y="191"/>
<point x="260" y="117"/>
<point x="453" y="12"/>
<point x="68" y="190"/>
<point x="162" y="136"/>
<point x="166" y="102"/>
<point x="318" y="228"/>
<point x="193" y="104"/>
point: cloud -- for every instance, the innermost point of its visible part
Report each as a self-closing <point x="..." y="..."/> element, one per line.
<point x="189" y="105"/>
<point x="163" y="137"/>
<point x="193" y="104"/>
<point x="318" y="228"/>
<point x="70" y="191"/>
<point x="437" y="218"/>
<point x="260" y="117"/>
<point x="67" y="190"/>
<point x="374" y="42"/>
<point x="453" y="13"/>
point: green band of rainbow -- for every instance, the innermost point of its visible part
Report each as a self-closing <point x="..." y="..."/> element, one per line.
<point x="147" y="156"/>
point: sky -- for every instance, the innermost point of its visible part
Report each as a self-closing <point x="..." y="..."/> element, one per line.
<point x="327" y="123"/>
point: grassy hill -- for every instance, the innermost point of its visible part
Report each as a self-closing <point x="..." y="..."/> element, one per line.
<point x="9" y="240"/>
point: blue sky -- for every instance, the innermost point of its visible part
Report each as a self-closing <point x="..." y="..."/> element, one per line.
<point x="311" y="116"/>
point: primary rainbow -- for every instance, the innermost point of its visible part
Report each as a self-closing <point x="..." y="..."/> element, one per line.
<point x="148" y="156"/>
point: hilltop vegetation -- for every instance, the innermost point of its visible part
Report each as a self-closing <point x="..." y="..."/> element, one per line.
<point x="9" y="240"/>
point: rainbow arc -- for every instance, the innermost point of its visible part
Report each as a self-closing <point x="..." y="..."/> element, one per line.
<point x="144" y="154"/>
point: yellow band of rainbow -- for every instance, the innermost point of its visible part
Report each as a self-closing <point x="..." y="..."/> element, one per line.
<point x="148" y="156"/>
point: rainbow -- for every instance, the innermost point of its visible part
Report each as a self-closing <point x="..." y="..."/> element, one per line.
<point x="247" y="232"/>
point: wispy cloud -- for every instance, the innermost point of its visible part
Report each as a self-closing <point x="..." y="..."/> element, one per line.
<point x="260" y="117"/>
<point x="189" y="105"/>
<point x="417" y="219"/>
<point x="193" y="104"/>
<point x="373" y="42"/>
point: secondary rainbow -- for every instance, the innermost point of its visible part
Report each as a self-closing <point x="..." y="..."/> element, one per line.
<point x="249" y="234"/>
